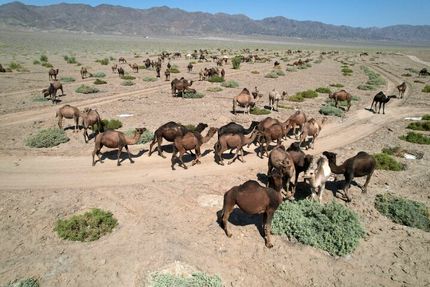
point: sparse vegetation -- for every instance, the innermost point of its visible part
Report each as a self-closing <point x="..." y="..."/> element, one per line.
<point x="414" y="137"/>
<point x="323" y="90"/>
<point x="195" y="280"/>
<point x="255" y="72"/>
<point x="128" y="77"/>
<point x="259" y="111"/>
<point x="284" y="107"/>
<point x="14" y="66"/>
<point x="419" y="126"/>
<point x="296" y="98"/>
<point x="426" y="117"/>
<point x="89" y="226"/>
<point x="374" y="79"/>
<point x="84" y="89"/>
<point x="191" y="95"/>
<point x="146" y="137"/>
<point x="336" y="85"/>
<point x="44" y="58"/>
<point x="235" y="61"/>
<point x="67" y="79"/>
<point x="426" y="89"/>
<point x="308" y="94"/>
<point x="104" y="61"/>
<point x="174" y="69"/>
<point x="406" y="75"/>
<point x="47" y="138"/>
<point x="271" y="75"/>
<point x="99" y="82"/>
<point x="214" y="89"/>
<point x="216" y="79"/>
<point x="106" y="124"/>
<point x="331" y="227"/>
<point x="385" y="161"/>
<point x="149" y="79"/>
<point x="70" y="59"/>
<point x="330" y="110"/>
<point x="291" y="69"/>
<point x="47" y="65"/>
<point x="366" y="87"/>
<point x="29" y="282"/>
<point x="127" y="83"/>
<point x="36" y="62"/>
<point x="346" y="71"/>
<point x="230" y="84"/>
<point x="403" y="211"/>
<point x="99" y="75"/>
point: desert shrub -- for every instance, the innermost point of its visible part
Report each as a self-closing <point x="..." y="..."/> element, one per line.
<point x="146" y="137"/>
<point x="346" y="71"/>
<point x="255" y="72"/>
<point x="236" y="62"/>
<point x="127" y="83"/>
<point x="67" y="79"/>
<point x="419" y="126"/>
<point x="89" y="226"/>
<point x="112" y="58"/>
<point x="308" y="94"/>
<point x="284" y="107"/>
<point x="99" y="75"/>
<point x="230" y="84"/>
<point x="296" y="98"/>
<point x="323" y="90"/>
<point x="374" y="79"/>
<point x="47" y="65"/>
<point x="47" y="138"/>
<point x="426" y="117"/>
<point x="99" y="82"/>
<point x="403" y="211"/>
<point x="291" y="69"/>
<point x="414" y="137"/>
<point x="190" y="127"/>
<point x="196" y="280"/>
<point x="40" y="99"/>
<point x="406" y="75"/>
<point x="44" y="58"/>
<point x="412" y="70"/>
<point x="392" y="150"/>
<point x="385" y="161"/>
<point x="330" y="110"/>
<point x="14" y="66"/>
<point x="70" y="59"/>
<point x="271" y="75"/>
<point x="366" y="87"/>
<point x="279" y="72"/>
<point x="149" y="79"/>
<point x="426" y="89"/>
<point x="104" y="61"/>
<point x="128" y="77"/>
<point x="36" y="62"/>
<point x="259" y="111"/>
<point x="216" y="79"/>
<point x="191" y="95"/>
<point x="29" y="282"/>
<point x="106" y="124"/>
<point x="214" y="89"/>
<point x="336" y="85"/>
<point x="84" y="89"/>
<point x="174" y="69"/>
<point x="331" y="227"/>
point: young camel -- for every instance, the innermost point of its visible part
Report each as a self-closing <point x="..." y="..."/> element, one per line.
<point x="317" y="177"/>
<point x="312" y="129"/>
<point x="169" y="131"/>
<point x="341" y="95"/>
<point x="296" y="122"/>
<point x="362" y="164"/>
<point x="134" y="67"/>
<point x="245" y="100"/>
<point x="402" y="89"/>
<point x="51" y="91"/>
<point x="90" y="117"/>
<point x="382" y="99"/>
<point x="252" y="198"/>
<point x="116" y="139"/>
<point x="232" y="141"/>
<point x="190" y="141"/>
<point x="68" y="112"/>
<point x="274" y="98"/>
<point x="282" y="160"/>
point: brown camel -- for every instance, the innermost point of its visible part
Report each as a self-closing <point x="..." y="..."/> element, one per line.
<point x="51" y="91"/>
<point x="167" y="74"/>
<point x="180" y="85"/>
<point x="296" y="122"/>
<point x="341" y="95"/>
<point x="402" y="89"/>
<point x="52" y="73"/>
<point x="245" y="100"/>
<point x="169" y="131"/>
<point x="68" y="112"/>
<point x="302" y="161"/>
<point x="312" y="129"/>
<point x="282" y="160"/>
<point x="190" y="67"/>
<point x="273" y="133"/>
<point x="84" y="72"/>
<point x="121" y="72"/>
<point x="190" y="141"/>
<point x="252" y="198"/>
<point x="232" y="141"/>
<point x="118" y="140"/>
<point x="114" y="68"/>
<point x="134" y="67"/>
<point x="362" y="164"/>
<point x="90" y="117"/>
<point x="122" y="60"/>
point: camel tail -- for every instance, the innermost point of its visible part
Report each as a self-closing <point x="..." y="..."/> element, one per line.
<point x="56" y="114"/>
<point x="234" y="106"/>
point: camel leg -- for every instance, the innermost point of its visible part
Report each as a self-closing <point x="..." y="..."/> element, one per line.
<point x="321" y="190"/>
<point x="174" y="157"/>
<point x="119" y="155"/>
<point x="197" y="160"/>
<point x="235" y="156"/>
<point x="85" y="135"/>
<point x="379" y="109"/>
<point x="181" y="154"/>
<point x="228" y="208"/>
<point x="383" y="108"/>
<point x="348" y="179"/>
<point x="268" y="227"/>
<point x="349" y="106"/>
<point x="160" y="151"/>
<point x="129" y="155"/>
<point x="242" y="152"/>
<point x="364" y="188"/>
<point x="60" y="121"/>
<point x="76" y="124"/>
<point x="220" y="152"/>
<point x="151" y="145"/>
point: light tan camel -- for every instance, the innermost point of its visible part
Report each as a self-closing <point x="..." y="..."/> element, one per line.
<point x="312" y="129"/>
<point x="296" y="122"/>
<point x="116" y="139"/>
<point x="318" y="176"/>
<point x="90" y="117"/>
<point x="245" y="100"/>
<point x="68" y="112"/>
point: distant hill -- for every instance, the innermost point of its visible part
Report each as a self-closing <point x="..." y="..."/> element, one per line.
<point x="165" y="21"/>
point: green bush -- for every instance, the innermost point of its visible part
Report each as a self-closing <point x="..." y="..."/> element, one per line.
<point x="392" y="150"/>
<point x="366" y="87"/>
<point x="174" y="69"/>
<point x="128" y="77"/>
<point x="89" y="226"/>
<point x="374" y="79"/>
<point x="330" y="110"/>
<point x="14" y="66"/>
<point x="258" y="111"/>
<point x="279" y="72"/>
<point x="67" y="79"/>
<point x="419" y="126"/>
<point x="214" y="89"/>
<point x="104" y="61"/>
<point x="36" y="62"/>
<point x="406" y="75"/>
<point x="47" y="138"/>
<point x="29" y="282"/>
<point x="47" y="65"/>
<point x="196" y="280"/>
<point x="323" y="90"/>
<point x="127" y="83"/>
<point x="336" y="85"/>
<point x="70" y="59"/>
<point x="271" y="75"/>
<point x="149" y="79"/>
<point x="111" y="124"/>
<point x="346" y="71"/>
<point x="331" y="227"/>
<point x="230" y="84"/>
<point x="99" y="82"/>
<point x="403" y="211"/>
<point x="146" y="137"/>
<point x="99" y="75"/>
<point x="44" y="58"/>
<point x="190" y="127"/>
<point x="308" y="94"/>
<point x="84" y="89"/>
<point x="255" y="72"/>
<point x="426" y="117"/>
<point x="414" y="137"/>
<point x="296" y="98"/>
<point x="291" y="69"/>
<point x="385" y="161"/>
<point x="191" y="95"/>
<point x="236" y="62"/>
<point x="426" y="89"/>
<point x="216" y="79"/>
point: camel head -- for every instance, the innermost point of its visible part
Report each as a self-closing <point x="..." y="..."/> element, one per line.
<point x="331" y="96"/>
<point x="200" y="127"/>
<point x="392" y="96"/>
<point x="323" y="120"/>
<point x="284" y="93"/>
<point x="331" y="156"/>
<point x="275" y="179"/>
<point x="140" y="131"/>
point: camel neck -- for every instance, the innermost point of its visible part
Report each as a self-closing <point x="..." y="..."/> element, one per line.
<point x="335" y="168"/>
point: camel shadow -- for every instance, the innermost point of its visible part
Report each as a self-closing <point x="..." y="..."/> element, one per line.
<point x="113" y="155"/>
<point x="370" y="110"/>
<point x="188" y="157"/>
<point x="336" y="187"/>
<point x="303" y="189"/>
<point x="240" y="218"/>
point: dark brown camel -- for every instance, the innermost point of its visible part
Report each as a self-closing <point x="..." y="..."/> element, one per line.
<point x="169" y="131"/>
<point x="252" y="198"/>
<point x="302" y="161"/>
<point x="190" y="67"/>
<point x="84" y="72"/>
<point x="362" y="164"/>
<point x="53" y="74"/>
<point x="167" y="74"/>
<point x="283" y="161"/>
<point x="180" y="85"/>
<point x="402" y="89"/>
<point x="382" y="99"/>
<point x="341" y="95"/>
<point x="273" y="133"/>
<point x="121" y="72"/>
<point x="122" y="60"/>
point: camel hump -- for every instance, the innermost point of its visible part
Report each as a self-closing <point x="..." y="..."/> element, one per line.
<point x="245" y="91"/>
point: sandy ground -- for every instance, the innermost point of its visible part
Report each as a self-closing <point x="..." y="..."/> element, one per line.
<point x="169" y="216"/>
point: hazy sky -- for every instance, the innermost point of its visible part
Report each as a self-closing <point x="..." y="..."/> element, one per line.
<point x="358" y="13"/>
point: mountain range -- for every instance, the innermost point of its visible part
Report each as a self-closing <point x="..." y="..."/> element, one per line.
<point x="165" y="21"/>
